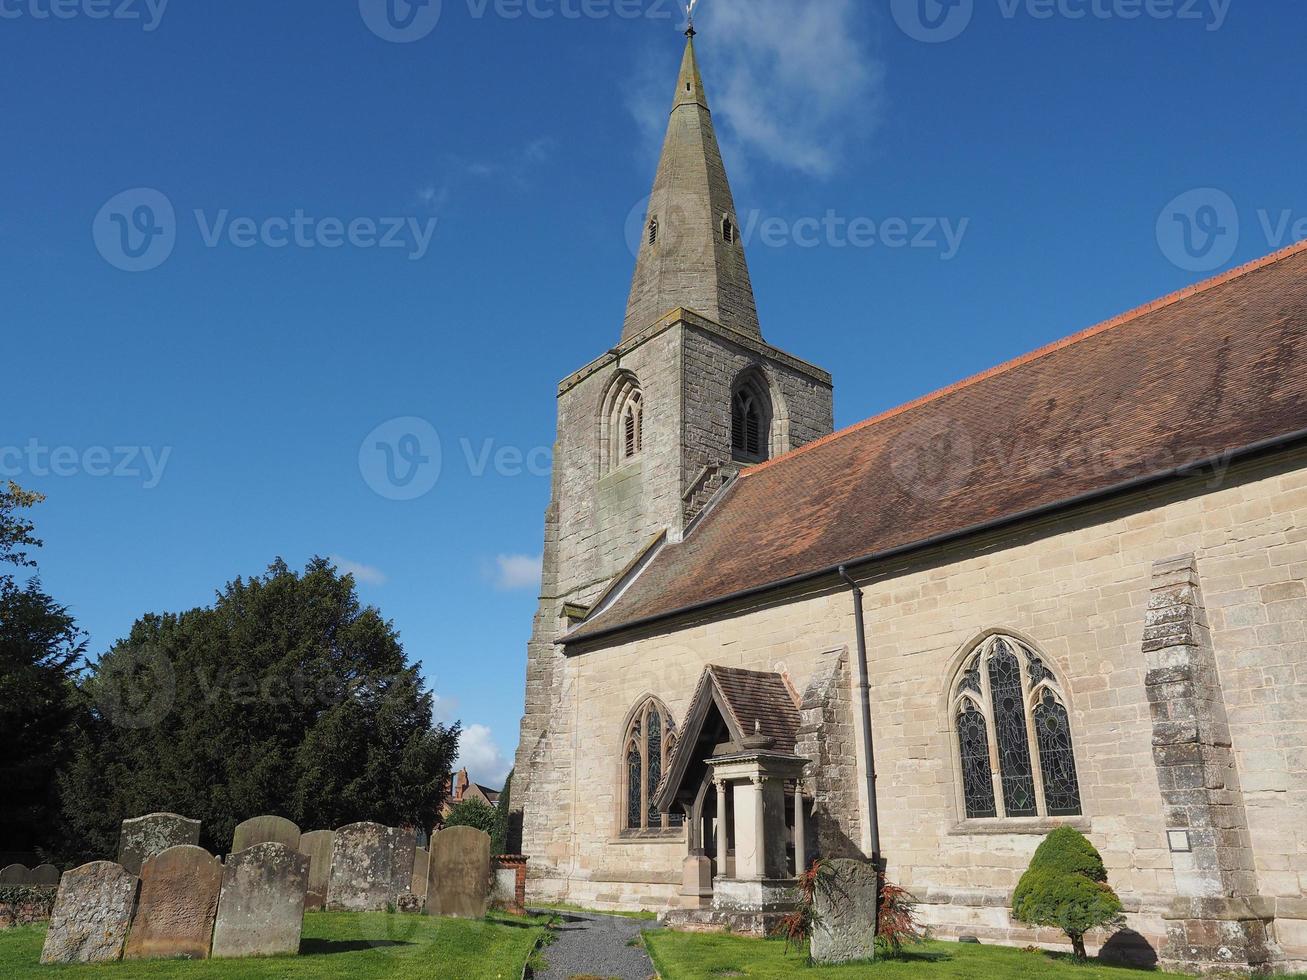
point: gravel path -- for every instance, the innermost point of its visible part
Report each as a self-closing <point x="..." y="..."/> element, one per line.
<point x="592" y="945"/>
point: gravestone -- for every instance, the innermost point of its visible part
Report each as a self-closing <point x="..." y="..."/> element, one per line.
<point x="177" y="906"/>
<point x="403" y="852"/>
<point x="421" y="862"/>
<point x="92" y="913"/>
<point x="16" y="874"/>
<point x="317" y="844"/>
<point x="362" y="878"/>
<point x="261" y="909"/>
<point x="458" y="881"/>
<point x="46" y="875"/>
<point x="844" y="908"/>
<point x="265" y="830"/>
<point x="152" y="834"/>
<point x="503" y="893"/>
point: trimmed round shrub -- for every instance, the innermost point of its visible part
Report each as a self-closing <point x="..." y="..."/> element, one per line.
<point x="1066" y="887"/>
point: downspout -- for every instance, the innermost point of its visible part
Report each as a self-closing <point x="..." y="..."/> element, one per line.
<point x="864" y="695"/>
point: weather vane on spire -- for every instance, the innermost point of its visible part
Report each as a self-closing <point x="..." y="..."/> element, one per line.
<point x="689" y="13"/>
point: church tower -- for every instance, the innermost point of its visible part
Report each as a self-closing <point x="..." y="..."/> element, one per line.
<point x="650" y="431"/>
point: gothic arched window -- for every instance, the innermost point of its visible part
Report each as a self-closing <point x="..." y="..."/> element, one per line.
<point x="1013" y="734"/>
<point x="632" y="432"/>
<point x="646" y="748"/>
<point x="750" y="421"/>
<point x="621" y="422"/>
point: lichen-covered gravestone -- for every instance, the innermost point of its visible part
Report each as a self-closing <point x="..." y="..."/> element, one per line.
<point x="45" y="876"/>
<point x="152" y="834"/>
<point x="265" y="830"/>
<point x="177" y="906"/>
<point x="15" y="874"/>
<point x="92" y="913"/>
<point x="261" y="911"/>
<point x="361" y="869"/>
<point x="403" y="850"/>
<point x="845" y="912"/>
<point x="459" y="876"/>
<point x="317" y="844"/>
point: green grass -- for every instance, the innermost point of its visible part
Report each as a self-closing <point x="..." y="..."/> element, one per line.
<point x="697" y="956"/>
<point x="334" y="945"/>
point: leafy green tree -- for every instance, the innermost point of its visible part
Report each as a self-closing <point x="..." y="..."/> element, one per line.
<point x="474" y="813"/>
<point x="286" y="696"/>
<point x="1066" y="887"/>
<point x="40" y="649"/>
<point x="502" y="839"/>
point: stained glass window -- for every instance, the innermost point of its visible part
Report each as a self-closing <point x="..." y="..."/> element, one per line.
<point x="993" y="694"/>
<point x="977" y="776"/>
<point x="1057" y="762"/>
<point x="650" y="740"/>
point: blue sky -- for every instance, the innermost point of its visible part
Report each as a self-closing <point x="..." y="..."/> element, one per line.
<point x="925" y="191"/>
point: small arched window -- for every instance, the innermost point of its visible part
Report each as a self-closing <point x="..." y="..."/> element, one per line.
<point x="621" y="422"/>
<point x="632" y="426"/>
<point x="648" y="744"/>
<point x="653" y="230"/>
<point x="1013" y="734"/>
<point x="750" y="421"/>
<point x="728" y="230"/>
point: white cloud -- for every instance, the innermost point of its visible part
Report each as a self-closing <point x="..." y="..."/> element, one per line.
<point x="518" y="572"/>
<point x="789" y="82"/>
<point x="366" y="574"/>
<point x="482" y="757"/>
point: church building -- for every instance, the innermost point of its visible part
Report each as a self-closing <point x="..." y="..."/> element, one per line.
<point x="1071" y="590"/>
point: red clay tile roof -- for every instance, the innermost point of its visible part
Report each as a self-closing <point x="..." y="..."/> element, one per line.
<point x="1207" y="371"/>
<point x="759" y="702"/>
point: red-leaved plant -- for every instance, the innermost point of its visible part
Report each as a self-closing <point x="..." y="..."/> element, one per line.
<point x="896" y="925"/>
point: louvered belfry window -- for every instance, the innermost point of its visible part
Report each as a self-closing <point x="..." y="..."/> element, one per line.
<point x="747" y="425"/>
<point x="649" y="743"/>
<point x="633" y="426"/>
<point x="1013" y="734"/>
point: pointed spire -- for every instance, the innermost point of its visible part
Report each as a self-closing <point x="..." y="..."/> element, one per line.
<point x="691" y="255"/>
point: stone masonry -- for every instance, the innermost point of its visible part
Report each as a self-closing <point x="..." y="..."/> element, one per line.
<point x="828" y="736"/>
<point x="1218" y="916"/>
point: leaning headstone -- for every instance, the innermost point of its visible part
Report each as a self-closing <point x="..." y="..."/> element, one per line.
<point x="362" y="878"/>
<point x="261" y="910"/>
<point x="844" y="910"/>
<point x="317" y="844"/>
<point x="265" y="830"/>
<point x="403" y="850"/>
<point x="46" y="875"/>
<point x="458" y="881"/>
<point x="92" y="914"/>
<point x="178" y="904"/>
<point x="16" y="874"/>
<point x="421" y="862"/>
<point x="154" y="833"/>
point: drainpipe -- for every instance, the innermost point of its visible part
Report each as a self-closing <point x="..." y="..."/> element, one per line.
<point x="864" y="695"/>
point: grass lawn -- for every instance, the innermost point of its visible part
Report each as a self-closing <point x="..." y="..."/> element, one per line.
<point x="691" y="956"/>
<point x="334" y="944"/>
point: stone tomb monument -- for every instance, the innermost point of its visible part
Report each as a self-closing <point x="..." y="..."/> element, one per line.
<point x="177" y="906"/>
<point x="421" y="868"/>
<point x="92" y="914"/>
<point x="845" y="907"/>
<point x="318" y="844"/>
<point x="261" y="909"/>
<point x="459" y="878"/>
<point x="265" y="830"/>
<point x="152" y="834"/>
<point x="363" y="868"/>
<point x="403" y="855"/>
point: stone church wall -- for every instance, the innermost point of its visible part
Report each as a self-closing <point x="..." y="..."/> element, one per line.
<point x="1078" y="588"/>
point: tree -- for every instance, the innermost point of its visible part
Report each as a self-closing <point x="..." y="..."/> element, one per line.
<point x="40" y="649"/>
<point x="503" y="838"/>
<point x="286" y="696"/>
<point x="474" y="813"/>
<point x="1066" y="887"/>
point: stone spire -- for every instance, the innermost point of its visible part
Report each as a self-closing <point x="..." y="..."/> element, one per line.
<point x="691" y="256"/>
